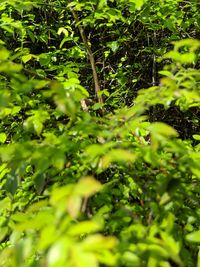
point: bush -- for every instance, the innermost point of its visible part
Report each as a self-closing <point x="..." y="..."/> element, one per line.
<point x="106" y="176"/>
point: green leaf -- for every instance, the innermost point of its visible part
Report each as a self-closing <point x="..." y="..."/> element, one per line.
<point x="131" y="258"/>
<point x="59" y="159"/>
<point x="26" y="58"/>
<point x="63" y="30"/>
<point x="198" y="259"/>
<point x="117" y="155"/>
<point x="39" y="181"/>
<point x="196" y="136"/>
<point x="74" y="205"/>
<point x="41" y="84"/>
<point x="193" y="237"/>
<point x="38" y="126"/>
<point x="99" y="242"/>
<point x="3" y="233"/>
<point x="4" y="54"/>
<point x="114" y="46"/>
<point x="165" y="73"/>
<point x="156" y="251"/>
<point x="3" y="137"/>
<point x="186" y="58"/>
<point x="85" y="227"/>
<point x="35" y="222"/>
<point x="191" y="43"/>
<point x="57" y="254"/>
<point x="102" y="4"/>
<point x="136" y="4"/>
<point x="44" y="59"/>
<point x="10" y="67"/>
<point x="87" y="186"/>
<point x="162" y="129"/>
<point x="80" y="258"/>
<point x="97" y="106"/>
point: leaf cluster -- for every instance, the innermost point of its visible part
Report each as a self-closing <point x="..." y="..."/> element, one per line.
<point x="99" y="183"/>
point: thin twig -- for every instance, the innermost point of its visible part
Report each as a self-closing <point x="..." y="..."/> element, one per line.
<point x="154" y="61"/>
<point x="90" y="55"/>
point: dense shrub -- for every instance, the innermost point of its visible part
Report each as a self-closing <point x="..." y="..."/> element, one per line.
<point x="99" y="133"/>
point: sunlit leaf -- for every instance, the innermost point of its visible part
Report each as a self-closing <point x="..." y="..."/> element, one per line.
<point x="162" y="129"/>
<point x="87" y="186"/>
<point x="98" y="242"/>
<point x="3" y="137"/>
<point x="85" y="227"/>
<point x="194" y="237"/>
<point x="4" y="54"/>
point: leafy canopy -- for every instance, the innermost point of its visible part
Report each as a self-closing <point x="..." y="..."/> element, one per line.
<point x="99" y="133"/>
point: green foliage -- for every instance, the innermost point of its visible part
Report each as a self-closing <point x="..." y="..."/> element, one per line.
<point x="89" y="183"/>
